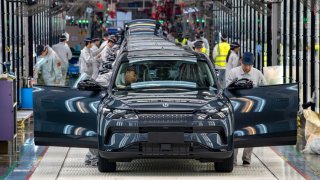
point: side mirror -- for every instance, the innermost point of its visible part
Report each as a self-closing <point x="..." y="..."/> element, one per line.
<point x="89" y="85"/>
<point x="241" y="84"/>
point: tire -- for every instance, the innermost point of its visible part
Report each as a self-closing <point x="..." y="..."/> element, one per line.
<point x="105" y="166"/>
<point x="225" y="166"/>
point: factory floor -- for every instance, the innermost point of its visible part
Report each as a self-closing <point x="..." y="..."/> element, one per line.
<point x="38" y="162"/>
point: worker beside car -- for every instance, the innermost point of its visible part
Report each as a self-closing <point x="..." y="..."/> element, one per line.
<point x="65" y="54"/>
<point x="103" y="78"/>
<point x="180" y="40"/>
<point x="219" y="55"/>
<point x="105" y="74"/>
<point x="246" y="70"/>
<point x="199" y="47"/>
<point x="87" y="59"/>
<point x="49" y="64"/>
<point x="233" y="58"/>
<point x="96" y="52"/>
<point x="105" y="40"/>
<point x="108" y="54"/>
<point x="200" y="37"/>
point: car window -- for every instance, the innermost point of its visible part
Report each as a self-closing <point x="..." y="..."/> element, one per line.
<point x="180" y="73"/>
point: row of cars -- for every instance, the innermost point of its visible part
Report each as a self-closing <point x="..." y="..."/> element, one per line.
<point x="164" y="102"/>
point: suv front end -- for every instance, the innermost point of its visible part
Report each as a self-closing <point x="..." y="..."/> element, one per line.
<point x="205" y="135"/>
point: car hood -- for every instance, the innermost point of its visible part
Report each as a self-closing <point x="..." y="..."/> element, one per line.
<point x="168" y="102"/>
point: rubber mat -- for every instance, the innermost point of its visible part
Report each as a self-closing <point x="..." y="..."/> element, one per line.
<point x="73" y="167"/>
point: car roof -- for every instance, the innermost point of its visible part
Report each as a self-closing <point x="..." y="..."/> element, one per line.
<point x="150" y="43"/>
<point x="148" y="40"/>
<point x="142" y="27"/>
<point x="164" y="54"/>
<point x="153" y="47"/>
<point x="143" y="37"/>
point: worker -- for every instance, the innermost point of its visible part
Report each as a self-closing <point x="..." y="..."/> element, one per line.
<point x="233" y="58"/>
<point x="165" y="34"/>
<point x="92" y="61"/>
<point x="118" y="36"/>
<point x="50" y="66"/>
<point x="171" y="36"/>
<point x="103" y="79"/>
<point x="105" y="40"/>
<point x="86" y="58"/>
<point x="130" y="76"/>
<point x="96" y="54"/>
<point x="199" y="47"/>
<point x="108" y="52"/>
<point x="65" y="55"/>
<point x="105" y="74"/>
<point x="96" y="28"/>
<point x="200" y="37"/>
<point x="66" y="34"/>
<point x="96" y="43"/>
<point x="127" y="78"/>
<point x="181" y="40"/>
<point x="190" y="41"/>
<point x="219" y="55"/>
<point x="246" y="70"/>
<point x="116" y="45"/>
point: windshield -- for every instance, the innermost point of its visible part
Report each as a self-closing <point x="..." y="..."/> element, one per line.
<point x="164" y="74"/>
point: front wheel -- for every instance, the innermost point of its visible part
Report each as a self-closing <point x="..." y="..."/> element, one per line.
<point x="105" y="166"/>
<point x="225" y="166"/>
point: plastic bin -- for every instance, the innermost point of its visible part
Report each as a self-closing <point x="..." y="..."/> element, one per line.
<point x="26" y="98"/>
<point x="73" y="69"/>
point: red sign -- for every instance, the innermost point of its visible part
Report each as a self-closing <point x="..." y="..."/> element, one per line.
<point x="100" y="6"/>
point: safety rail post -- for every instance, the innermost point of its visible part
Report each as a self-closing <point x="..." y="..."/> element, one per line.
<point x="304" y="56"/>
<point x="312" y="46"/>
<point x="284" y="54"/>
<point x="291" y="41"/>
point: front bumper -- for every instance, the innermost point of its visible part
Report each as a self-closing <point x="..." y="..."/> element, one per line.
<point x="133" y="152"/>
<point x="195" y="139"/>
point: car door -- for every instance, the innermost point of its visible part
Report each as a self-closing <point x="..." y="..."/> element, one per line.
<point x="265" y="116"/>
<point x="65" y="116"/>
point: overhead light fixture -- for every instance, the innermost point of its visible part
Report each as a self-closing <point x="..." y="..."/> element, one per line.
<point x="89" y="10"/>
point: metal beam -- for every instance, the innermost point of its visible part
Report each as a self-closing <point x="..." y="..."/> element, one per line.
<point x="223" y="5"/>
<point x="258" y="6"/>
<point x="313" y="5"/>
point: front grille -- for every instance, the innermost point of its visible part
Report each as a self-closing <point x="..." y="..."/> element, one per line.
<point x="165" y="118"/>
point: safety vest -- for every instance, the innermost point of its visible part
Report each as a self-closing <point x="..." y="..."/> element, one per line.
<point x="223" y="49"/>
<point x="183" y="42"/>
<point x="205" y="51"/>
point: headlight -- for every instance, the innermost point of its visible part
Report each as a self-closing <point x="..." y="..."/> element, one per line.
<point x="131" y="116"/>
<point x="105" y="110"/>
<point x="201" y="116"/>
<point x="212" y="114"/>
<point x="124" y="114"/>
